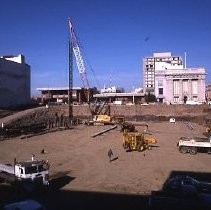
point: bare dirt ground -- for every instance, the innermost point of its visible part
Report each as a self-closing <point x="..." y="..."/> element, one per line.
<point x="75" y="153"/>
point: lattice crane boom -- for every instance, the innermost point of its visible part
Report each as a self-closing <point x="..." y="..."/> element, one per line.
<point x="78" y="56"/>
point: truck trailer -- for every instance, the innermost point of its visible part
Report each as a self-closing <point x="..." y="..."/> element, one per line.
<point x="193" y="145"/>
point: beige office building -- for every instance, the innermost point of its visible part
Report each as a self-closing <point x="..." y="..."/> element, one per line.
<point x="170" y="81"/>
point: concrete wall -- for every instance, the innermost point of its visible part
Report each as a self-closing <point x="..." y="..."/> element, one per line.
<point x="14" y="83"/>
<point x="158" y="111"/>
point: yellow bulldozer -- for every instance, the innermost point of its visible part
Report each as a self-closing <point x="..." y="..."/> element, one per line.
<point x="136" y="141"/>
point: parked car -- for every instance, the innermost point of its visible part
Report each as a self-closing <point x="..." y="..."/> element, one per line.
<point x="24" y="205"/>
<point x="182" y="192"/>
<point x="181" y="181"/>
<point x="190" y="186"/>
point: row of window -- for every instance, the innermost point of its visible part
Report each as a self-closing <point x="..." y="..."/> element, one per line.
<point x="149" y="72"/>
<point x="163" y="59"/>
<point x="149" y="83"/>
<point x="185" y="87"/>
<point x="149" y="65"/>
<point x="177" y="99"/>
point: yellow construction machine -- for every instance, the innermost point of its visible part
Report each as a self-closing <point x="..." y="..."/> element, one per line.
<point x="101" y="119"/>
<point x="136" y="141"/>
<point x="104" y="119"/>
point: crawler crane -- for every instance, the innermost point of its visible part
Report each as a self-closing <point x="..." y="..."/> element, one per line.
<point x="78" y="57"/>
<point x="98" y="116"/>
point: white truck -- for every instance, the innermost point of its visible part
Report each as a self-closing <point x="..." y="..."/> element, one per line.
<point x="193" y="145"/>
<point x="33" y="171"/>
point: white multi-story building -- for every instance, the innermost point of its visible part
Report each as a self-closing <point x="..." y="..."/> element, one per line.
<point x="14" y="81"/>
<point x="170" y="81"/>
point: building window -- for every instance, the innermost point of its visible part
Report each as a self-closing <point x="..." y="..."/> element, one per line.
<point x="160" y="82"/>
<point x="195" y="98"/>
<point x="176" y="87"/>
<point x="160" y="91"/>
<point x="176" y="99"/>
<point x="195" y="87"/>
<point x="185" y="86"/>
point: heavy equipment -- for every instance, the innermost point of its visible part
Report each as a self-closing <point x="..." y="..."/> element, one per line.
<point x="137" y="141"/>
<point x="127" y="127"/>
<point x="193" y="145"/>
<point x="80" y="63"/>
<point x="130" y="127"/>
<point x="104" y="119"/>
<point x="78" y="57"/>
<point x="100" y="114"/>
<point x="100" y="120"/>
<point x="100" y="110"/>
<point x="33" y="171"/>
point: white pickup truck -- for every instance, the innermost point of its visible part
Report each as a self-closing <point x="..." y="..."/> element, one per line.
<point x="192" y="145"/>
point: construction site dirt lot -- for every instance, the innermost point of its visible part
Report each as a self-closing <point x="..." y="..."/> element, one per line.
<point x="74" y="153"/>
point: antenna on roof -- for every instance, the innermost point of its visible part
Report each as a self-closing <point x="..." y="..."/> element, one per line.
<point x="110" y="80"/>
<point x="185" y="61"/>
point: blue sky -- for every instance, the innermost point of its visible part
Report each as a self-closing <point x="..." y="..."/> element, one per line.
<point x="115" y="35"/>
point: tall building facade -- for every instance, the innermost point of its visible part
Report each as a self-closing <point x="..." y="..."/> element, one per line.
<point x="170" y="81"/>
<point x="15" y="86"/>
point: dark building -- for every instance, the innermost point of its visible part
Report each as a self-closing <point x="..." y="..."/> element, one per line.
<point x="60" y="95"/>
<point x="14" y="81"/>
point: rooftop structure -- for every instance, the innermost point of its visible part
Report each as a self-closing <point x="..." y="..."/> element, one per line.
<point x="17" y="59"/>
<point x="112" y="89"/>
